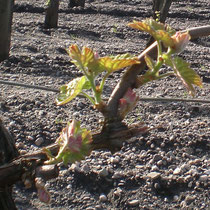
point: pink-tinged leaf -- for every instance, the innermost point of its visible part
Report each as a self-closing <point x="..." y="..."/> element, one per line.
<point x="112" y="64"/>
<point x="74" y="143"/>
<point x="69" y="91"/>
<point x="81" y="59"/>
<point x="142" y="26"/>
<point x="127" y="103"/>
<point x="180" y="40"/>
<point x="43" y="194"/>
<point x="187" y="75"/>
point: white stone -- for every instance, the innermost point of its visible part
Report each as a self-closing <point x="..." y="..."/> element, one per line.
<point x="177" y="171"/>
<point x="153" y="175"/>
<point x="133" y="202"/>
<point x="103" y="198"/>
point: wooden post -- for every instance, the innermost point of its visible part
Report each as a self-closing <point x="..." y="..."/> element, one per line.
<point x="51" y="18"/>
<point x="161" y="6"/>
<point x="6" y="11"/>
<point x="8" y="151"/>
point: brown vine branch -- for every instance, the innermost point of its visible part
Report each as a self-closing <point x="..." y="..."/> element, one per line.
<point x="32" y="163"/>
<point x="129" y="78"/>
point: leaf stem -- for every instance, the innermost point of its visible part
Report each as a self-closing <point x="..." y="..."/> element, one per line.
<point x="88" y="97"/>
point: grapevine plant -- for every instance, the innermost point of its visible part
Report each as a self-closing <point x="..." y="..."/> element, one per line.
<point x="74" y="142"/>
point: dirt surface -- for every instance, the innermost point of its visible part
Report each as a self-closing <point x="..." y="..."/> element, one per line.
<point x="166" y="169"/>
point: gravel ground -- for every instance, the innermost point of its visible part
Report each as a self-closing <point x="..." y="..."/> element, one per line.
<point x="165" y="169"/>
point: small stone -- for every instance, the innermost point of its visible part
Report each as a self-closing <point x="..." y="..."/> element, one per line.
<point x="154" y="168"/>
<point x="185" y="167"/>
<point x="103" y="172"/>
<point x="189" y="199"/>
<point x="115" y="159"/>
<point x="183" y="204"/>
<point x="12" y="123"/>
<point x="177" y="171"/>
<point x="117" y="175"/>
<point x="153" y="175"/>
<point x="190" y="184"/>
<point x="98" y="207"/>
<point x="30" y="138"/>
<point x="157" y="185"/>
<point x="75" y="167"/>
<point x="160" y="163"/>
<point x="203" y="178"/>
<point x="133" y="202"/>
<point x="86" y="168"/>
<point x="176" y="198"/>
<point x="118" y="192"/>
<point x="39" y="141"/>
<point x="157" y="157"/>
<point x="102" y="198"/>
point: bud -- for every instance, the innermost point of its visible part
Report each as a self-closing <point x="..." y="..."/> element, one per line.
<point x="72" y="136"/>
<point x="43" y="194"/>
<point x="74" y="144"/>
<point x="127" y="103"/>
<point x="180" y="41"/>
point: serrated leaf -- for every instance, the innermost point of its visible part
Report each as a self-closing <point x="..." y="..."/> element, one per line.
<point x="149" y="25"/>
<point x="165" y="38"/>
<point x="187" y="75"/>
<point x="69" y="91"/>
<point x="112" y="64"/>
<point x="81" y="59"/>
<point x="150" y="63"/>
<point x="142" y="26"/>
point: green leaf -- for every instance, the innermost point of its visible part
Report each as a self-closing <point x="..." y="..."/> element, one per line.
<point x="150" y="63"/>
<point x="149" y="25"/>
<point x="111" y="64"/>
<point x="82" y="59"/>
<point x="187" y="75"/>
<point x="156" y="29"/>
<point x="164" y="37"/>
<point x="69" y="91"/>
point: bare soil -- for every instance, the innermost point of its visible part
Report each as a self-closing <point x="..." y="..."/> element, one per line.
<point x="165" y="169"/>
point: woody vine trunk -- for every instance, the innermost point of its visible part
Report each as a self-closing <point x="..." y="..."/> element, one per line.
<point x="7" y="153"/>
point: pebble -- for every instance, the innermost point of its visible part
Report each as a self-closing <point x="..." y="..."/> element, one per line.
<point x="185" y="167"/>
<point x="203" y="178"/>
<point x="30" y="138"/>
<point x="86" y="168"/>
<point x="177" y="171"/>
<point x="118" y="192"/>
<point x="102" y="198"/>
<point x="115" y="159"/>
<point x="189" y="199"/>
<point x="117" y="175"/>
<point x="154" y="168"/>
<point x="160" y="163"/>
<point x="39" y="141"/>
<point x="176" y="198"/>
<point x="153" y="175"/>
<point x="157" y="157"/>
<point x="133" y="202"/>
<point x="75" y="167"/>
<point x="103" y="172"/>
